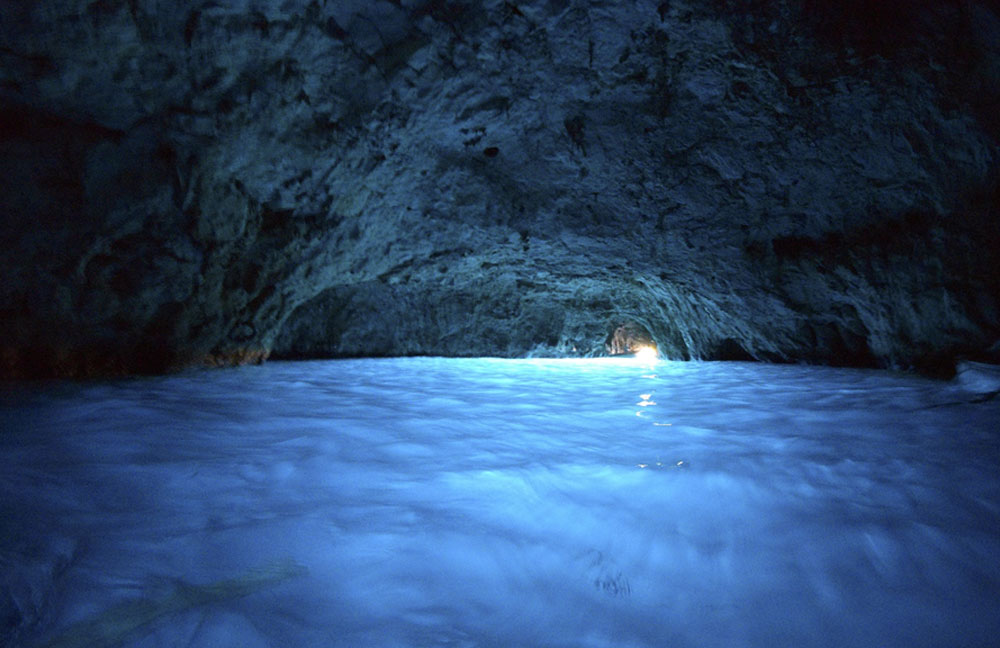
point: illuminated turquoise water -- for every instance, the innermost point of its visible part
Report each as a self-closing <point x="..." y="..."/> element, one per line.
<point x="432" y="502"/>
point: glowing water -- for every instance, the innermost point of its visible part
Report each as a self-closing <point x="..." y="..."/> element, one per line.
<point x="429" y="502"/>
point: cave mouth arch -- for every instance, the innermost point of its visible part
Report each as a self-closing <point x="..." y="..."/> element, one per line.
<point x="627" y="338"/>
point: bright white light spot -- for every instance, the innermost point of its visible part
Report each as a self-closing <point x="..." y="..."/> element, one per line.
<point x="646" y="353"/>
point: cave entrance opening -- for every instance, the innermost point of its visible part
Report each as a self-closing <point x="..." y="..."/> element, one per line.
<point x="630" y="338"/>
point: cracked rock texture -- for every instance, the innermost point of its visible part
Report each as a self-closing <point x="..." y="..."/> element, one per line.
<point x="213" y="182"/>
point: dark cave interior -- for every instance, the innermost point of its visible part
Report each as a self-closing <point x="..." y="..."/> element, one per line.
<point x="201" y="184"/>
<point x="504" y="219"/>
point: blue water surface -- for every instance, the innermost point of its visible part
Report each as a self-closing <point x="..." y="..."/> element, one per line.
<point x="481" y="502"/>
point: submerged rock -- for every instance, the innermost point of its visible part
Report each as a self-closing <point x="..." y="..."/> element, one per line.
<point x="111" y="627"/>
<point x="978" y="377"/>
<point x="203" y="183"/>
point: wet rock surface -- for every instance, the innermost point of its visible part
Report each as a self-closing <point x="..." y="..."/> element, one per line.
<point x="191" y="182"/>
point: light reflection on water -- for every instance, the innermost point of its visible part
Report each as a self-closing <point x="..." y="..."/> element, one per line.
<point x="503" y="503"/>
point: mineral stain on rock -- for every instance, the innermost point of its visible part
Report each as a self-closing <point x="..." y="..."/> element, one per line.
<point x="214" y="184"/>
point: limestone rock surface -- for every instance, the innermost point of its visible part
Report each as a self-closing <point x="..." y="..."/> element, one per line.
<point x="194" y="182"/>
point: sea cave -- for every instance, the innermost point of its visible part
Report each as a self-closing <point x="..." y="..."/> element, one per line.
<point x="499" y="323"/>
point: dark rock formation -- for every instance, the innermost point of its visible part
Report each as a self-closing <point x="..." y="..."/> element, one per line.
<point x="201" y="182"/>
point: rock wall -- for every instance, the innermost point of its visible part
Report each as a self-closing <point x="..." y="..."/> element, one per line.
<point x="200" y="182"/>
